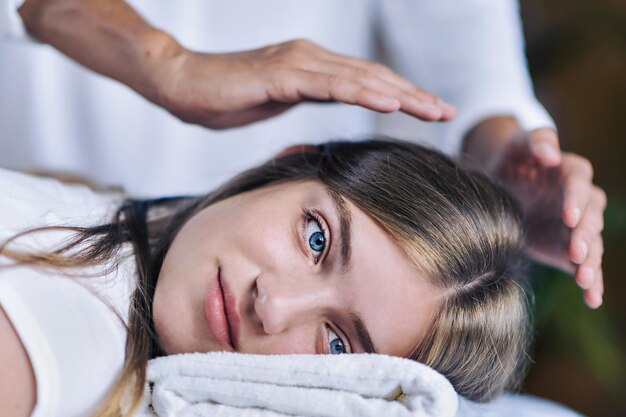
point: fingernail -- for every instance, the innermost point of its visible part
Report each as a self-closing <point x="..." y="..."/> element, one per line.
<point x="575" y="215"/>
<point x="433" y="110"/>
<point x="586" y="279"/>
<point x="596" y="301"/>
<point x="547" y="150"/>
<point x="446" y="107"/>
<point x="583" y="249"/>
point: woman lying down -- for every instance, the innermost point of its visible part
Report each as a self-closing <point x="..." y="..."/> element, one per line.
<point x="368" y="247"/>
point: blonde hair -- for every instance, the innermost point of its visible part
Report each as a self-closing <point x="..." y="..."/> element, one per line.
<point x="459" y="227"/>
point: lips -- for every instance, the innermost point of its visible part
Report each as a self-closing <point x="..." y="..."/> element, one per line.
<point x="221" y="316"/>
<point x="230" y="307"/>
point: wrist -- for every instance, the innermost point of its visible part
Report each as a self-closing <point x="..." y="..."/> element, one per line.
<point x="35" y="15"/>
<point x="485" y="142"/>
<point x="160" y="56"/>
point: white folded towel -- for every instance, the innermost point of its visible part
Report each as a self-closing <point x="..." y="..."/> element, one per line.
<point x="232" y="384"/>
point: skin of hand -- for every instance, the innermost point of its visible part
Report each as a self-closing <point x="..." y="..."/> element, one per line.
<point x="563" y="209"/>
<point x="227" y="90"/>
<point x="218" y="90"/>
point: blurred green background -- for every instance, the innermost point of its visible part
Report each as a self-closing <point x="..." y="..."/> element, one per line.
<point x="577" y="56"/>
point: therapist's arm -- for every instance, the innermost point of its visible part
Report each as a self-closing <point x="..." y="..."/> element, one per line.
<point x="217" y="90"/>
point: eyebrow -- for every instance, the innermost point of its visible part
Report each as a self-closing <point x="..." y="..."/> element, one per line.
<point x="361" y="333"/>
<point x="344" y="228"/>
<point x="356" y="321"/>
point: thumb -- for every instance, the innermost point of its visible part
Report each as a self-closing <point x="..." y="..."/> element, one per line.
<point x="544" y="145"/>
<point x="301" y="148"/>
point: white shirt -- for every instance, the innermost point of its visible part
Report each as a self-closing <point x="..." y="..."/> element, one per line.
<point x="74" y="339"/>
<point x="56" y="115"/>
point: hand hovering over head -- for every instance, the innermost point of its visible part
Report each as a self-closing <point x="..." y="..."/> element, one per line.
<point x="218" y="90"/>
<point x="227" y="90"/>
<point x="563" y="209"/>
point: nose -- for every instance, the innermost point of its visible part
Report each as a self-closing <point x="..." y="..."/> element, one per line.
<point x="284" y="304"/>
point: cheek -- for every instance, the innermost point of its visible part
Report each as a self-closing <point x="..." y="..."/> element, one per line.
<point x="298" y="341"/>
<point x="267" y="238"/>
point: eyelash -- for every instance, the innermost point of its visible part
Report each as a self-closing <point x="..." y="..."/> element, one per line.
<point x="313" y="216"/>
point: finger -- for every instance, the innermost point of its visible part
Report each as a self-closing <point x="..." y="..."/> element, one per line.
<point x="594" y="296"/>
<point x="544" y="144"/>
<point x="586" y="274"/>
<point x="380" y="70"/>
<point x="577" y="188"/>
<point x="589" y="227"/>
<point x="410" y="103"/>
<point x="293" y="87"/>
<point x="391" y="77"/>
<point x="295" y="149"/>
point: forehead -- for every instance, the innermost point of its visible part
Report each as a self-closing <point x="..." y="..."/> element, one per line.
<point x="395" y="299"/>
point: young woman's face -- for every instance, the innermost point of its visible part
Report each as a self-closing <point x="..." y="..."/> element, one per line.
<point x="289" y="268"/>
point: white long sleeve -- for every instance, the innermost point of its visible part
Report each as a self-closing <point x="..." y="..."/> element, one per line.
<point x="11" y="24"/>
<point x="471" y="53"/>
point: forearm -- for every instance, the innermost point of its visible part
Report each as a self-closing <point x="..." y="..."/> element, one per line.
<point x="107" y="36"/>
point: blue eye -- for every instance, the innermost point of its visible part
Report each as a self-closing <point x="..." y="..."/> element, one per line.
<point x="315" y="236"/>
<point x="336" y="346"/>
